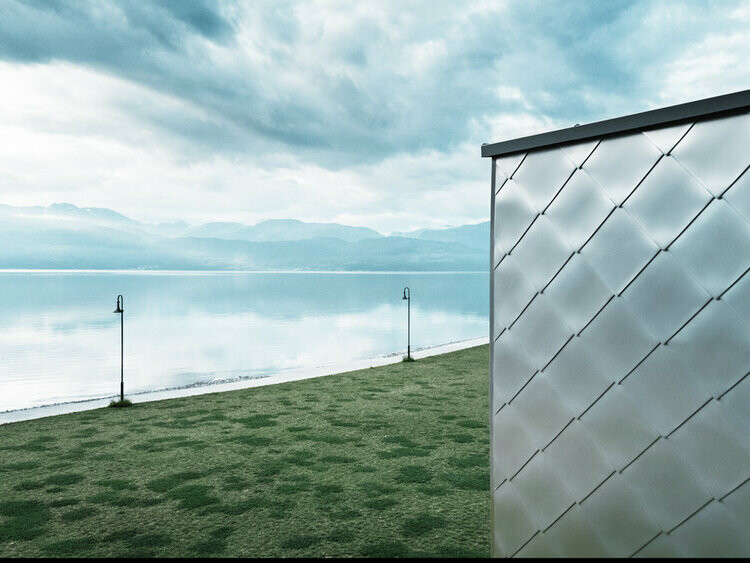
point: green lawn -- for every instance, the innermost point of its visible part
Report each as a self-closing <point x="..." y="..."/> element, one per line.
<point x="388" y="461"/>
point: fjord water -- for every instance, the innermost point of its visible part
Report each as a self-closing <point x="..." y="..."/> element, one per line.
<point x="60" y="341"/>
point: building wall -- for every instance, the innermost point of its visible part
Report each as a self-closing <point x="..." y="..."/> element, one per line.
<point x="621" y="345"/>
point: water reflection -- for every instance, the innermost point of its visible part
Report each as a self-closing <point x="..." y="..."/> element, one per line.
<point x="60" y="342"/>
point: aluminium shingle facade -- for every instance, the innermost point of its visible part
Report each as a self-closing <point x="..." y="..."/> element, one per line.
<point x="620" y="336"/>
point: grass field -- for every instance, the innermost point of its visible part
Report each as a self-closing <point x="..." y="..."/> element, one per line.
<point x="388" y="461"/>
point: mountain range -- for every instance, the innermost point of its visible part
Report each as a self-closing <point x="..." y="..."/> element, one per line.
<point x="65" y="236"/>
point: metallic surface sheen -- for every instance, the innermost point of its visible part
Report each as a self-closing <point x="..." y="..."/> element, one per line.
<point x="621" y="344"/>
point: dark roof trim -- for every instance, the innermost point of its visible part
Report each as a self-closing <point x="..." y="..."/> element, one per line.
<point x="691" y="111"/>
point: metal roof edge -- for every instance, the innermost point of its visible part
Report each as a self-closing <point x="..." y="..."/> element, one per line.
<point x="735" y="102"/>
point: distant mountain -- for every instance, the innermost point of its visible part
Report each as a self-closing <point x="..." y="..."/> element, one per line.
<point x="474" y="236"/>
<point x="67" y="237"/>
<point x="96" y="215"/>
<point x="281" y="230"/>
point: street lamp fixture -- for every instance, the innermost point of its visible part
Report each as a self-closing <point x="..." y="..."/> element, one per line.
<point x="121" y="310"/>
<point x="407" y="298"/>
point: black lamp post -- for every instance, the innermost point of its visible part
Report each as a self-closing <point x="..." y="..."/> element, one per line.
<point x="120" y="309"/>
<point x="407" y="298"/>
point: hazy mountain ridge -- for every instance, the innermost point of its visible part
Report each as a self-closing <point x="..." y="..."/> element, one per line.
<point x="281" y="230"/>
<point x="475" y="236"/>
<point x="67" y="237"/>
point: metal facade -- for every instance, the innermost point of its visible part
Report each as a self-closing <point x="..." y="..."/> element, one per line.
<point x="621" y="344"/>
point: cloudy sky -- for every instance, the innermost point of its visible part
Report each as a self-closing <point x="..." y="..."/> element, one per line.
<point x="364" y="113"/>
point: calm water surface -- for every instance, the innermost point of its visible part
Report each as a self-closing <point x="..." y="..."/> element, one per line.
<point x="60" y="341"/>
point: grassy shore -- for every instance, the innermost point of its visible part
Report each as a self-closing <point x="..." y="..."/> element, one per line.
<point x="388" y="461"/>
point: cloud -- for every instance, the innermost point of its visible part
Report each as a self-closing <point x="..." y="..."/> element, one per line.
<point x="324" y="109"/>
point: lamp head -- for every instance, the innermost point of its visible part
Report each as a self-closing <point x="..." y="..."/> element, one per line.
<point x="119" y="308"/>
<point x="405" y="290"/>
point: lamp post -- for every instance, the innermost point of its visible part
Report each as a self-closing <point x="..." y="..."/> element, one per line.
<point x="407" y="298"/>
<point x="120" y="309"/>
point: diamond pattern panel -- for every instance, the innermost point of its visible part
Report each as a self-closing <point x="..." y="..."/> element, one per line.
<point x="541" y="252"/>
<point x="618" y="339"/>
<point x="579" y="209"/>
<point x="620" y="373"/>
<point x="579" y="152"/>
<point x="667" y="200"/>
<point x="577" y="293"/>
<point x="738" y="503"/>
<point x="619" y="250"/>
<point x="540" y="332"/>
<point x="715" y="151"/>
<point x="713" y="532"/>
<point x="513" y="215"/>
<point x="665" y="138"/>
<point x="541" y="410"/>
<point x="672" y="488"/>
<point x="517" y="526"/>
<point x="715" y="445"/>
<point x="505" y="166"/>
<point x="544" y="491"/>
<point x="513" y="291"/>
<point x="738" y="195"/>
<point x="738" y="296"/>
<point x="584" y="463"/>
<point x="618" y="429"/>
<point x="512" y="445"/>
<point x="664" y="296"/>
<point x="620" y="516"/>
<point x="667" y="389"/>
<point x="577" y="377"/>
<point x="716" y="249"/>
<point x="542" y="174"/>
<point x="619" y="164"/>
<point x="716" y="347"/>
<point x="512" y="368"/>
<point x="574" y="536"/>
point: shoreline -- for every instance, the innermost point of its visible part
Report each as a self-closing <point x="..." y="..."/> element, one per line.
<point x="189" y="272"/>
<point x="295" y="374"/>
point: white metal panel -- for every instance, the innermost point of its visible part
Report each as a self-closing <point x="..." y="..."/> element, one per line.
<point x="578" y="378"/>
<point x="577" y="292"/>
<point x="665" y="138"/>
<point x="664" y="296"/>
<point x="505" y="166"/>
<point x="620" y="375"/>
<point x="712" y="532"/>
<point x="513" y="291"/>
<point x="513" y="215"/>
<point x="716" y="346"/>
<point x="667" y="200"/>
<point x="542" y="174"/>
<point x="618" y="339"/>
<point x="716" y="446"/>
<point x="515" y="525"/>
<point x="620" y="163"/>
<point x="619" y="430"/>
<point x="541" y="410"/>
<point x="716" y="248"/>
<point x="716" y="151"/>
<point x="621" y="516"/>
<point x="619" y="250"/>
<point x="541" y="252"/>
<point x="579" y="209"/>
<point x="577" y="455"/>
<point x="666" y="389"/>
<point x="575" y="536"/>
<point x="738" y="195"/>
<point x="543" y="490"/>
<point x="671" y="487"/>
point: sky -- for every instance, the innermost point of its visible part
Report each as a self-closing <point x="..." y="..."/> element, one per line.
<point x="363" y="113"/>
